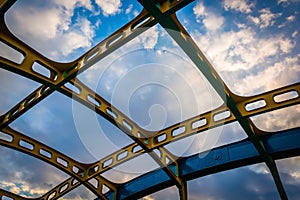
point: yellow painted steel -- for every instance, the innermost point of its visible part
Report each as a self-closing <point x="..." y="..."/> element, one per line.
<point x="145" y="141"/>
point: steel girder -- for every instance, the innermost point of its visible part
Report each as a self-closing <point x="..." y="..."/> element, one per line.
<point x="62" y="73"/>
<point x="280" y="145"/>
<point x="181" y="36"/>
<point x="131" y="151"/>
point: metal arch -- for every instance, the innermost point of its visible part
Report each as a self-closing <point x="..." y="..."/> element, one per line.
<point x="64" y="72"/>
<point x="5" y="194"/>
<point x="217" y="160"/>
<point x="208" y="120"/>
<point x="95" y="54"/>
<point x="59" y="77"/>
<point x="131" y="151"/>
<point x="77" y="170"/>
<point x="280" y="145"/>
<point x="180" y="35"/>
<point x="56" y="78"/>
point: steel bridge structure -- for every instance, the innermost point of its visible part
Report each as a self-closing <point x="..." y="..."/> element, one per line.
<point x="259" y="146"/>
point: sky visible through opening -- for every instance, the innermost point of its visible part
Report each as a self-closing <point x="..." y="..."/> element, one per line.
<point x="253" y="45"/>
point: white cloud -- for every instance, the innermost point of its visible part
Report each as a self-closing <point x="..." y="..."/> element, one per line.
<point x="248" y="58"/>
<point x="285" y="3"/>
<point x="148" y="198"/>
<point x="98" y="23"/>
<point x="288" y="20"/>
<point x="255" y="20"/>
<point x="279" y="119"/>
<point x="295" y="33"/>
<point x="286" y="45"/>
<point x="238" y="5"/>
<point x="150" y="38"/>
<point x="281" y="1"/>
<point x="69" y="6"/>
<point x="129" y="9"/>
<point x="243" y="49"/>
<point x="199" y="9"/>
<point x="86" y="28"/>
<point x="259" y="168"/>
<point x="73" y="41"/>
<point x="50" y="29"/>
<point x="10" y="53"/>
<point x="135" y="13"/>
<point x="47" y="26"/>
<point x="291" y="18"/>
<point x="109" y="7"/>
<point x="12" y="187"/>
<point x="211" y="21"/>
<point x="241" y="26"/>
<point x="20" y="186"/>
<point x="277" y="75"/>
<point x="265" y="19"/>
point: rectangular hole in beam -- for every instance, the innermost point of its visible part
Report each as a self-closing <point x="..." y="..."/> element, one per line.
<point x="6" y="198"/>
<point x="136" y="149"/>
<point x="75" y="169"/>
<point x="91" y="55"/>
<point x="255" y="105"/>
<point x="45" y="153"/>
<point x="127" y="125"/>
<point x="51" y="196"/>
<point x="221" y="115"/>
<point x="73" y="88"/>
<point x="140" y="23"/>
<point x="96" y="168"/>
<point x="111" y="113"/>
<point x="178" y="131"/>
<point x="199" y="123"/>
<point x="105" y="189"/>
<point x="12" y="113"/>
<point x="122" y="155"/>
<point x="107" y="163"/>
<point x="74" y="181"/>
<point x="94" y="182"/>
<point x="62" y="162"/>
<point x="10" y="53"/>
<point x="40" y="69"/>
<point x="114" y="39"/>
<point x="29" y="100"/>
<point x="161" y="138"/>
<point x="93" y="100"/>
<point x="6" y="137"/>
<point x="286" y="96"/>
<point x="63" y="188"/>
<point x="26" y="144"/>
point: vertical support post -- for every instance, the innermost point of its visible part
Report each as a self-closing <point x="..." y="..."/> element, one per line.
<point x="275" y="174"/>
<point x="180" y="35"/>
<point x="183" y="193"/>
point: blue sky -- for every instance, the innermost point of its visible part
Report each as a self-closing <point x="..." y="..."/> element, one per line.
<point x="253" y="45"/>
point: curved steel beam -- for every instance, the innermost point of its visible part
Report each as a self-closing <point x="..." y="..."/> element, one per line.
<point x="8" y="195"/>
<point x="133" y="150"/>
<point x="280" y="145"/>
<point x="59" y="78"/>
<point x="28" y="102"/>
<point x="175" y="29"/>
<point x="64" y="72"/>
<point x="18" y="141"/>
<point x="61" y="73"/>
<point x="95" y="54"/>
